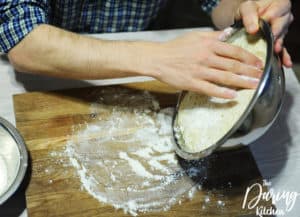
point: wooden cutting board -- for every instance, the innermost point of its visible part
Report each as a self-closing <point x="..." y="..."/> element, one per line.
<point x="45" y="119"/>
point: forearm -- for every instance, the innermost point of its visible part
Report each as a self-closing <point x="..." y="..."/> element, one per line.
<point x="223" y="14"/>
<point x="52" y="51"/>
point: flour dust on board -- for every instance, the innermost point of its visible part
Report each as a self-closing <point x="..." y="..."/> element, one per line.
<point x="126" y="157"/>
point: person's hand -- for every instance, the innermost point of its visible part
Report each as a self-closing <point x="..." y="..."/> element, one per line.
<point x="276" y="12"/>
<point x="199" y="62"/>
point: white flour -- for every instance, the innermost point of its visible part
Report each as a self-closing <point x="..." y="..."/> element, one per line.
<point x="126" y="157"/>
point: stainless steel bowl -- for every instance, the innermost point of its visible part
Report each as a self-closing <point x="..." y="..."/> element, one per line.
<point x="10" y="135"/>
<point x="262" y="110"/>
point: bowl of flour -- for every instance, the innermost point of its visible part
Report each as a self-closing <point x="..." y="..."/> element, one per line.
<point x="13" y="160"/>
<point x="203" y="124"/>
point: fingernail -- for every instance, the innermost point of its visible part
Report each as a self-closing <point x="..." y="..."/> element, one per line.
<point x="230" y="93"/>
<point x="256" y="68"/>
<point x="222" y="37"/>
<point x="229" y="30"/>
<point x="259" y="65"/>
<point x="253" y="27"/>
<point x="251" y="79"/>
<point x="226" y="33"/>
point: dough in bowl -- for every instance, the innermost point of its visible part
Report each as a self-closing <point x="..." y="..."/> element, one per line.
<point x="3" y="175"/>
<point x="201" y="120"/>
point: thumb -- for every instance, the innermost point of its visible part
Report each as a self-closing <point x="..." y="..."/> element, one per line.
<point x="248" y="12"/>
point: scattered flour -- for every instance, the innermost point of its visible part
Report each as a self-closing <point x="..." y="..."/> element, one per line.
<point x="126" y="156"/>
<point x="206" y="199"/>
<point x="220" y="203"/>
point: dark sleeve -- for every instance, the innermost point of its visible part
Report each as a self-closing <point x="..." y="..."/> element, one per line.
<point x="18" y="18"/>
<point x="209" y="5"/>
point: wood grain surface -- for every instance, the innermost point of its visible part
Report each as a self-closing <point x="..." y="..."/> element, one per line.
<point x="46" y="119"/>
<point x="153" y="86"/>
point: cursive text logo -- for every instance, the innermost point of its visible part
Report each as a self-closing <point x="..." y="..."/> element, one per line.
<point x="288" y="197"/>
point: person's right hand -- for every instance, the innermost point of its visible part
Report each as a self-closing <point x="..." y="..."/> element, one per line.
<point x="199" y="62"/>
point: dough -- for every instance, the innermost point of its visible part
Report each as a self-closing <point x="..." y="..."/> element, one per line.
<point x="202" y="121"/>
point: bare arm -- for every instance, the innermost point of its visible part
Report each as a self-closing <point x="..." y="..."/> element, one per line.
<point x="52" y="51"/>
<point x="197" y="61"/>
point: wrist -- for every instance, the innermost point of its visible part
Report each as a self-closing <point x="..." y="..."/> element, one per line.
<point x="143" y="58"/>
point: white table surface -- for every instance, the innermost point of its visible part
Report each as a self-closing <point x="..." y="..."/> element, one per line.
<point x="277" y="153"/>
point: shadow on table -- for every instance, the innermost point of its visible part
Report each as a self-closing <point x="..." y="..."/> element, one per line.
<point x="33" y="82"/>
<point x="223" y="170"/>
<point x="271" y="150"/>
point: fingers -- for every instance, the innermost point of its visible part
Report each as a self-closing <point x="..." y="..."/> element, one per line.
<point x="286" y="58"/>
<point x="234" y="66"/>
<point x="226" y="33"/>
<point x="277" y="9"/>
<point x="248" y="11"/>
<point x="278" y="13"/>
<point x="210" y="89"/>
<point x="280" y="25"/>
<point x="211" y="34"/>
<point x="237" y="53"/>
<point x="231" y="79"/>
<point x="280" y="29"/>
<point x="278" y="45"/>
<point x="209" y="85"/>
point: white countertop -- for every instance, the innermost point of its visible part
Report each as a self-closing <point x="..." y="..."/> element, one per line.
<point x="277" y="153"/>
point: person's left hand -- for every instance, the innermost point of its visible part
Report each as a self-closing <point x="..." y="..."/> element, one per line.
<point x="276" y="12"/>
